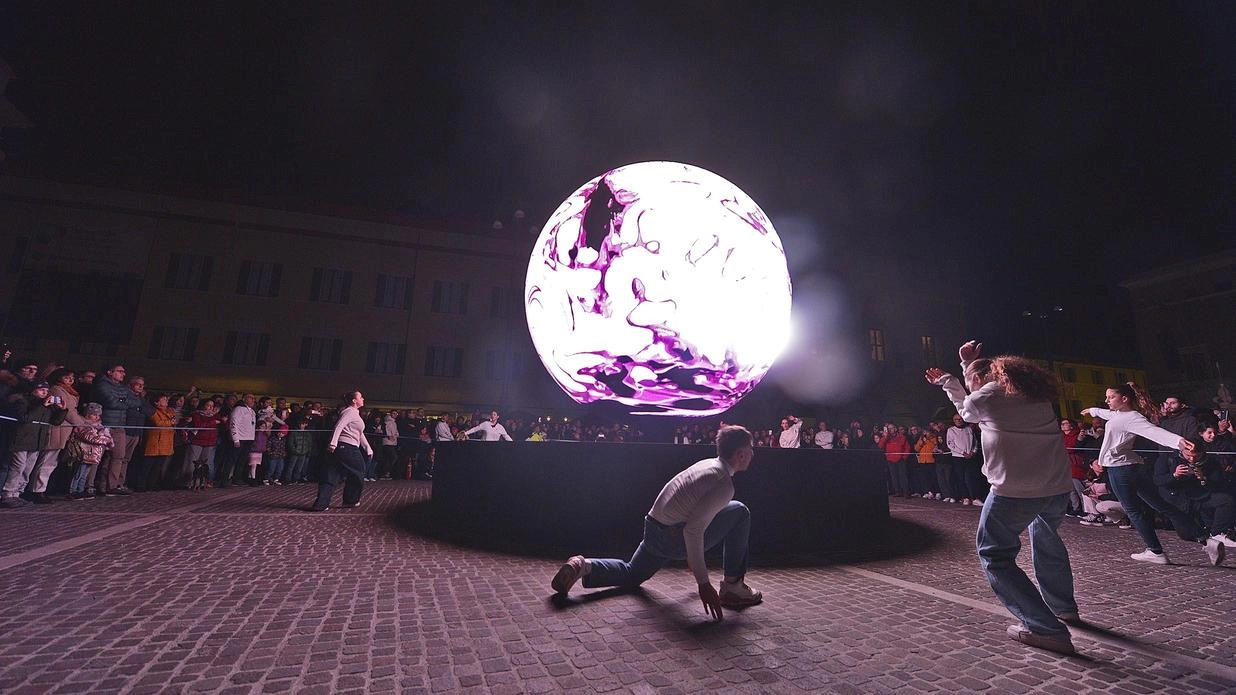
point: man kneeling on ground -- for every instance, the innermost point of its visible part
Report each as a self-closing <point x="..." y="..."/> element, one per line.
<point x="694" y="512"/>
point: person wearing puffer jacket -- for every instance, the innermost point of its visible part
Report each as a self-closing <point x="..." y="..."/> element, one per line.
<point x="160" y="444"/>
<point x="37" y="413"/>
<point x="95" y="440"/>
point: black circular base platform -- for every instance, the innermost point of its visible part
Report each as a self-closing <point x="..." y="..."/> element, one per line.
<point x="590" y="498"/>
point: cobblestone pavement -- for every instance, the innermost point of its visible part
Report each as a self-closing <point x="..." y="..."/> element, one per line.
<point x="238" y="591"/>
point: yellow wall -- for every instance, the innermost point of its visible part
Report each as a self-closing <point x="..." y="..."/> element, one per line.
<point x="1084" y="384"/>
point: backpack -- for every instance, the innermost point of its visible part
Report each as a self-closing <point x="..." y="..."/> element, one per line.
<point x="73" y="449"/>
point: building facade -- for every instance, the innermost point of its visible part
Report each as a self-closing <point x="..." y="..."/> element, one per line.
<point x="910" y="319"/>
<point x="235" y="297"/>
<point x="1187" y="341"/>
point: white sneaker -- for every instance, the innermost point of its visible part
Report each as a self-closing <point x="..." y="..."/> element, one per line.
<point x="1224" y="539"/>
<point x="738" y="595"/>
<point x="915" y="494"/>
<point x="950" y="500"/>
<point x="939" y="497"/>
<point x="1215" y="550"/>
<point x="1152" y="557"/>
<point x="965" y="500"/>
<point x="976" y="503"/>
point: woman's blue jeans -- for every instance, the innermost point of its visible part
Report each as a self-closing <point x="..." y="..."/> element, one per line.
<point x="999" y="541"/>
<point x="731" y="527"/>
<point x="1136" y="490"/>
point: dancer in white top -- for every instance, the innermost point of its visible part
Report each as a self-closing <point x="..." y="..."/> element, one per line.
<point x="695" y="511"/>
<point x="1131" y="481"/>
<point x="790" y="427"/>
<point x="1010" y="399"/>
<point x="492" y="430"/>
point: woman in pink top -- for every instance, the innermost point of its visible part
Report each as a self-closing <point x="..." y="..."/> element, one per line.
<point x="351" y="448"/>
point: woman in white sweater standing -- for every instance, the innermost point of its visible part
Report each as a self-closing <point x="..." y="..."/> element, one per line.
<point x="1131" y="481"/>
<point x="350" y="449"/>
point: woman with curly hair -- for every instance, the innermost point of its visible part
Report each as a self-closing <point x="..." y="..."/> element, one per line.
<point x="1024" y="459"/>
<point x="1128" y="415"/>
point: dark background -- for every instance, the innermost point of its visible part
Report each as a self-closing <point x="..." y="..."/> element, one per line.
<point x="1057" y="148"/>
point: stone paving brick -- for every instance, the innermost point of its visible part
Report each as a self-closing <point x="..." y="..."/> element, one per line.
<point x="250" y="595"/>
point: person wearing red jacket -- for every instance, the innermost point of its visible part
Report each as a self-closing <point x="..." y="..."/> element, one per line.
<point x="892" y="439"/>
<point x="1077" y="466"/>
<point x="204" y="437"/>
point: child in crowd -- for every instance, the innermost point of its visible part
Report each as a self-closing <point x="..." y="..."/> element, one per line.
<point x="260" y="440"/>
<point x="267" y="413"/>
<point x="93" y="439"/>
<point x="299" y="448"/>
<point x="276" y="453"/>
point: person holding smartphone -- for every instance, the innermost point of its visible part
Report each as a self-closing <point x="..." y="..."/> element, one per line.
<point x="64" y="395"/>
<point x="29" y="453"/>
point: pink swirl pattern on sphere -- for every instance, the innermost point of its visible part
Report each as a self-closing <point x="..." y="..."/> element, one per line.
<point x="661" y="286"/>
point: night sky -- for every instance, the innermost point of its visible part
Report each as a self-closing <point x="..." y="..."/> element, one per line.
<point x="1057" y="148"/>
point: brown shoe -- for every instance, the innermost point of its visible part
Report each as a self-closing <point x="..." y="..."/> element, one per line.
<point x="1070" y="618"/>
<point x="1061" y="644"/>
<point x="568" y="574"/>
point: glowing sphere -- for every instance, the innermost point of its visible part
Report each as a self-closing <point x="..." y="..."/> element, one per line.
<point x="661" y="286"/>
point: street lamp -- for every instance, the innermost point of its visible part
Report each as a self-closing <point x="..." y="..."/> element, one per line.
<point x="1043" y="313"/>
<point x="516" y="220"/>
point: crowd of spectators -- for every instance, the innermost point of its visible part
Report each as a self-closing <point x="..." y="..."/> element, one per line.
<point x="81" y="434"/>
